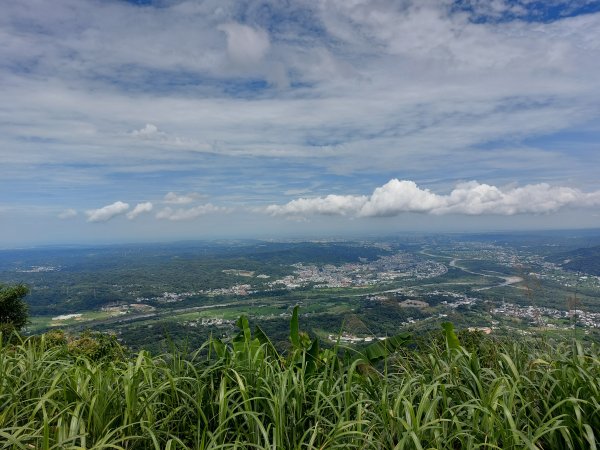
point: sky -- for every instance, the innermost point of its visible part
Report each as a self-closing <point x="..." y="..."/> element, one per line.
<point x="127" y="121"/>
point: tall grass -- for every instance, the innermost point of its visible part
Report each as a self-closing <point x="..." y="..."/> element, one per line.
<point x="500" y="396"/>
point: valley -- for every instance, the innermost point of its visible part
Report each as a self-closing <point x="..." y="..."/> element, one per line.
<point x="154" y="294"/>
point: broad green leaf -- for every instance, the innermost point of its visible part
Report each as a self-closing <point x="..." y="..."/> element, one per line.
<point x="381" y="349"/>
<point x="264" y="340"/>
<point x="312" y="357"/>
<point x="243" y="324"/>
<point x="219" y="347"/>
<point x="451" y="338"/>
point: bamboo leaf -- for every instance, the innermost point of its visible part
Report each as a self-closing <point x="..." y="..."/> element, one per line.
<point x="245" y="333"/>
<point x="312" y="357"/>
<point x="295" y="329"/>
<point x="451" y="338"/>
<point x="382" y="349"/>
<point x="264" y="340"/>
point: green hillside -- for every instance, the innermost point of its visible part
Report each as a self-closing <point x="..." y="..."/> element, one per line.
<point x="585" y="260"/>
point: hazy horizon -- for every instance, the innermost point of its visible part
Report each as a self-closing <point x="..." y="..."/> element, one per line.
<point x="580" y="233"/>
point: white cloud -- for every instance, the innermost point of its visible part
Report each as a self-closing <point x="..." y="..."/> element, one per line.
<point x="173" y="198"/>
<point x="107" y="212"/>
<point x="329" y="205"/>
<point x="67" y="214"/>
<point x="474" y="199"/>
<point x="398" y="196"/>
<point x="376" y="88"/>
<point x="245" y="45"/>
<point x="428" y="77"/>
<point x="470" y="198"/>
<point x="140" y="208"/>
<point x="169" y="213"/>
<point x="148" y="132"/>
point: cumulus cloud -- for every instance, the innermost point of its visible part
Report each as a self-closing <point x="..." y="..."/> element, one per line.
<point x="67" y="214"/>
<point x="107" y="212"/>
<point x="330" y="205"/>
<point x="470" y="198"/>
<point x="173" y="198"/>
<point x="148" y="132"/>
<point x="245" y="45"/>
<point x="169" y="213"/>
<point x="140" y="208"/>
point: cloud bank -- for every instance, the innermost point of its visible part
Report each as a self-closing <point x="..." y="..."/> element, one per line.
<point x="107" y="212"/>
<point x="469" y="198"/>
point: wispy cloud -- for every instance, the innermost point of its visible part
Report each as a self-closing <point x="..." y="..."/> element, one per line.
<point x="470" y="198"/>
<point x="148" y="131"/>
<point x="178" y="214"/>
<point x="140" y="208"/>
<point x="409" y="80"/>
<point x="107" y="212"/>
<point x="245" y="45"/>
<point x="173" y="198"/>
<point x="67" y="214"/>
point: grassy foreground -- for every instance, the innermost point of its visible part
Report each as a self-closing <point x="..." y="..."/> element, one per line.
<point x="244" y="395"/>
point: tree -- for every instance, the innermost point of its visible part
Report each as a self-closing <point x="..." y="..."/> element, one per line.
<point x="13" y="309"/>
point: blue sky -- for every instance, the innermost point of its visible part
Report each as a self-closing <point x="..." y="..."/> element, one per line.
<point x="164" y="120"/>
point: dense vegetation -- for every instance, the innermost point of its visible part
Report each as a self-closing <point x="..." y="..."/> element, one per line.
<point x="61" y="393"/>
<point x="584" y="260"/>
<point x="13" y="309"/>
<point x="89" y="278"/>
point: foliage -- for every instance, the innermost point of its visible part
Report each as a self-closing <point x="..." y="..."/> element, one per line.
<point x="90" y="345"/>
<point x="450" y="335"/>
<point x="13" y="309"/>
<point x="89" y="278"/>
<point x="585" y="260"/>
<point x="95" y="346"/>
<point x="243" y="394"/>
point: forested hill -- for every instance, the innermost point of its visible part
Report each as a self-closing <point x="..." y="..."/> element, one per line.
<point x="585" y="260"/>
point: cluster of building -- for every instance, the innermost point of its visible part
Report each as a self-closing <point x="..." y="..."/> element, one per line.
<point x="208" y="322"/>
<point x="322" y="277"/>
<point x="461" y="300"/>
<point x="167" y="297"/>
<point x="485" y="250"/>
<point x="117" y="310"/>
<point x="405" y="265"/>
<point x="364" y="273"/>
<point x="539" y="314"/>
<point x="238" y="289"/>
<point x="172" y="297"/>
<point x="347" y="338"/>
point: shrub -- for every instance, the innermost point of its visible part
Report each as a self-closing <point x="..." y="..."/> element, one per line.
<point x="94" y="346"/>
